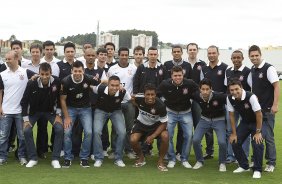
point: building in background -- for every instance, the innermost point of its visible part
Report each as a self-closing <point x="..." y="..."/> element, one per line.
<point x="142" y="40"/>
<point x="108" y="37"/>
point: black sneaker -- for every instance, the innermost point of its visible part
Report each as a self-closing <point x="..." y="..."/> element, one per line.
<point x="207" y="156"/>
<point x="84" y="163"/>
<point x="67" y="164"/>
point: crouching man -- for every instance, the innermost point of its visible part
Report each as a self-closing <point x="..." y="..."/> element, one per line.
<point x="150" y="124"/>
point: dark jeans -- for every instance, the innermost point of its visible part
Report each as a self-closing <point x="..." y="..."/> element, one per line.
<point x="243" y="131"/>
<point x="42" y="136"/>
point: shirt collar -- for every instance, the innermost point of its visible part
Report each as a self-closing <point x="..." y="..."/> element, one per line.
<point x="261" y="64"/>
<point x="106" y="91"/>
<point x="177" y="63"/>
<point x="75" y="81"/>
<point x="65" y="61"/>
<point x="240" y="69"/>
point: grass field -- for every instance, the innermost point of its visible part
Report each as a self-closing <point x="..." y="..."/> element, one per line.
<point x="13" y="173"/>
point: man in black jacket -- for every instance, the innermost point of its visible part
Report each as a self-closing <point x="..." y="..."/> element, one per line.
<point x="41" y="97"/>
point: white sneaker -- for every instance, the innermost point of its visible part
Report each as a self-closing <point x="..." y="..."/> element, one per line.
<point x="222" y="167"/>
<point x="240" y="170"/>
<point x="111" y="155"/>
<point x="105" y="153"/>
<point x="251" y="165"/>
<point x="120" y="163"/>
<point x="31" y="163"/>
<point x="62" y="153"/>
<point x="198" y="165"/>
<point x="257" y="175"/>
<point x="92" y="157"/>
<point x="186" y="165"/>
<point x="98" y="163"/>
<point x="131" y="155"/>
<point x="2" y="161"/>
<point x="171" y="164"/>
<point x="178" y="157"/>
<point x="269" y="168"/>
<point x="23" y="161"/>
<point x="56" y="164"/>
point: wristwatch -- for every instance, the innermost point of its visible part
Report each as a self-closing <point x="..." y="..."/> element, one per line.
<point x="258" y="130"/>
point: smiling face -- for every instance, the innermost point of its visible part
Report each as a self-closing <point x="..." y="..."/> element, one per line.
<point x="177" y="77"/>
<point x="255" y="58"/>
<point x="237" y="59"/>
<point x="150" y="97"/>
<point x="77" y="73"/>
<point x="236" y="91"/>
<point x="177" y="53"/>
<point x="213" y="54"/>
<point x="45" y="76"/>
<point x="205" y="91"/>
<point x="192" y="52"/>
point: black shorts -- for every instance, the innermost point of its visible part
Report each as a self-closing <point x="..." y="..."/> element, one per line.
<point x="145" y="130"/>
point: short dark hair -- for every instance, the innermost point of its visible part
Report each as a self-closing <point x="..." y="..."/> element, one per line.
<point x="176" y="46"/>
<point x="111" y="44"/>
<point x="17" y="42"/>
<point x="213" y="46"/>
<point x="152" y="48"/>
<point x="35" y="46"/>
<point x="69" y="44"/>
<point x="139" y="48"/>
<point x="114" y="77"/>
<point x="45" y="67"/>
<point x="176" y="68"/>
<point x="123" y="49"/>
<point x="48" y="43"/>
<point x="234" y="81"/>
<point x="192" y="44"/>
<point x="205" y="81"/>
<point x="237" y="51"/>
<point x="254" y="48"/>
<point x="77" y="64"/>
<point x="150" y="86"/>
<point x="101" y="50"/>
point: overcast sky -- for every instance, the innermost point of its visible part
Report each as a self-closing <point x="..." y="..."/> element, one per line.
<point x="235" y="23"/>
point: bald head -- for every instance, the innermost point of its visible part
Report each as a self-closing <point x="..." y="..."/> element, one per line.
<point x="12" y="59"/>
<point x="90" y="56"/>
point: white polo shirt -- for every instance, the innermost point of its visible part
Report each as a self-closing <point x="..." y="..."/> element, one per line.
<point x="13" y="84"/>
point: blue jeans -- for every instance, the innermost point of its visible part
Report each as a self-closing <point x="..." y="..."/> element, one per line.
<point x="220" y="129"/>
<point x="268" y="133"/>
<point x="186" y="123"/>
<point x="84" y="116"/>
<point x="196" y="113"/>
<point x="117" y="120"/>
<point x="28" y="134"/>
<point x="5" y="127"/>
<point x="246" y="144"/>
<point x="243" y="132"/>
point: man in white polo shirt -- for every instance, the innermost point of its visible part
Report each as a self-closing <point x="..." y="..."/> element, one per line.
<point x="12" y="85"/>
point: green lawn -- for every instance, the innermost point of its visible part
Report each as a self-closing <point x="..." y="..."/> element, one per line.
<point x="109" y="173"/>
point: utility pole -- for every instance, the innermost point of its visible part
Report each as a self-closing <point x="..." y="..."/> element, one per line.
<point x="98" y="35"/>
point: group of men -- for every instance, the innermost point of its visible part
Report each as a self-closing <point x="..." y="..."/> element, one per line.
<point x="144" y="101"/>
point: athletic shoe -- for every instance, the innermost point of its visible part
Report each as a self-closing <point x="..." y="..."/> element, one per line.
<point x="198" y="165"/>
<point x="251" y="165"/>
<point x="56" y="164"/>
<point x="67" y="164"/>
<point x="98" y="163"/>
<point x="120" y="163"/>
<point x="257" y="175"/>
<point x="23" y="161"/>
<point x="269" y="168"/>
<point x="171" y="164"/>
<point x="111" y="155"/>
<point x="31" y="163"/>
<point x="84" y="163"/>
<point x="62" y="153"/>
<point x="105" y="153"/>
<point x="222" y="167"/>
<point x="2" y="161"/>
<point x="92" y="157"/>
<point x="178" y="157"/>
<point x="186" y="165"/>
<point x="131" y="155"/>
<point x="240" y="170"/>
<point x="207" y="156"/>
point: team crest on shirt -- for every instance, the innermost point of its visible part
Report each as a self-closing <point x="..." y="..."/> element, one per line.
<point x="161" y="72"/>
<point x="97" y="76"/>
<point x="199" y="67"/>
<point x="153" y="111"/>
<point x="184" y="71"/>
<point x="21" y="77"/>
<point x="241" y="78"/>
<point x="185" y="91"/>
<point x="246" y="105"/>
<point x="261" y="75"/>
<point x="54" y="88"/>
<point x="219" y="72"/>
<point x="215" y="103"/>
<point x="117" y="100"/>
<point x="85" y="85"/>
